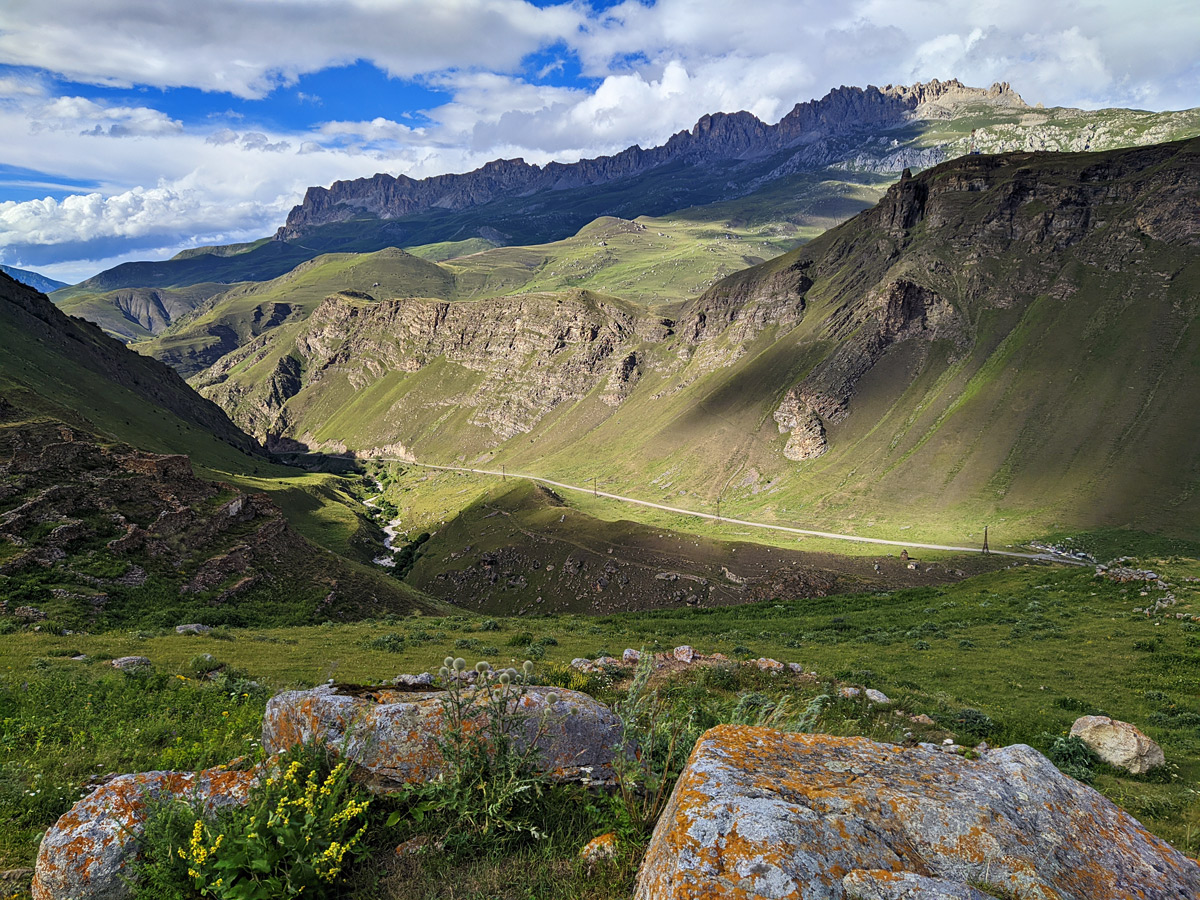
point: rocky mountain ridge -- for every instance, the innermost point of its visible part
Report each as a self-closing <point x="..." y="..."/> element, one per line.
<point x="723" y="136"/>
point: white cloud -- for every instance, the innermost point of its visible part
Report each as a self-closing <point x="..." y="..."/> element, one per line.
<point x="652" y="70"/>
<point x="88" y="117"/>
<point x="248" y="47"/>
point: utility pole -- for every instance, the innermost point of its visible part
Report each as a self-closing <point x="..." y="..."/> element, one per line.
<point x="718" y="507"/>
<point x="504" y="473"/>
<point x="986" y="551"/>
<point x="594" y="494"/>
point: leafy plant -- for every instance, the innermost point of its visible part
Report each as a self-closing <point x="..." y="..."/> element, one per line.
<point x="1072" y="756"/>
<point x="303" y="823"/>
<point x="651" y="752"/>
<point x="491" y="783"/>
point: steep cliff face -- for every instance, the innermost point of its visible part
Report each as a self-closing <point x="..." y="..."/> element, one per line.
<point x="523" y="356"/>
<point x="720" y="136"/>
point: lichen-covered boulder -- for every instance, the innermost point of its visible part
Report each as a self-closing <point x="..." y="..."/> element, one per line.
<point x="763" y="814"/>
<point x="86" y="851"/>
<point x="1119" y="744"/>
<point x="392" y="735"/>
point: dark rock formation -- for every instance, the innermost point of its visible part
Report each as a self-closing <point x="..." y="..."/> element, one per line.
<point x="720" y="136"/>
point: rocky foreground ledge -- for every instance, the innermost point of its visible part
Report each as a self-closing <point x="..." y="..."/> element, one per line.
<point x="756" y="814"/>
<point x="763" y="815"/>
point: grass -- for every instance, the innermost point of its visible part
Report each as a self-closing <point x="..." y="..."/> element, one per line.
<point x="1030" y="648"/>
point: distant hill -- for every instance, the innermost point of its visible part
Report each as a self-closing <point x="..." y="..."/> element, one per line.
<point x="822" y="163"/>
<point x="33" y="279"/>
<point x="1003" y="338"/>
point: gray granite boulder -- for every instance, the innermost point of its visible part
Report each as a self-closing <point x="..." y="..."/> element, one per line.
<point x="762" y="814"/>
<point x="84" y="854"/>
<point x="392" y="734"/>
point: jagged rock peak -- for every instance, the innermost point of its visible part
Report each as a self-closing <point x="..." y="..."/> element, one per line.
<point x="717" y="136"/>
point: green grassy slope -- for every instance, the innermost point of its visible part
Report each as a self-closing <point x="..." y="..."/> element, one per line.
<point x="241" y="313"/>
<point x="1063" y="394"/>
<point x="135" y="314"/>
<point x="1005" y="340"/>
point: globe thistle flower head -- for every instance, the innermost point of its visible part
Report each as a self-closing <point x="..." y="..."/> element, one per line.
<point x="460" y="664"/>
<point x="482" y="666"/>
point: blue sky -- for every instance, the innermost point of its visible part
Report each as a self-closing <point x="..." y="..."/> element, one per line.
<point x="134" y="128"/>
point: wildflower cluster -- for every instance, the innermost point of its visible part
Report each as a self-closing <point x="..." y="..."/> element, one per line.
<point x="294" y="836"/>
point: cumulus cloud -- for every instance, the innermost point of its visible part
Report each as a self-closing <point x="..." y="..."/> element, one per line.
<point x="649" y="70"/>
<point x="89" y="117"/>
<point x="249" y="48"/>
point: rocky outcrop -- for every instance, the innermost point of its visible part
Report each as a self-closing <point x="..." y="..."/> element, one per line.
<point x="98" y="516"/>
<point x="528" y="354"/>
<point x="392" y="734"/>
<point x="86" y="852"/>
<point x="762" y="814"/>
<point x="1119" y="744"/>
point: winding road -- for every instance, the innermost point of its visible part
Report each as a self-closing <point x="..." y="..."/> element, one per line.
<point x="1042" y="557"/>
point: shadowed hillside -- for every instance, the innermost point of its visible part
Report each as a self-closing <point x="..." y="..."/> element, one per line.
<point x="1003" y="338"/>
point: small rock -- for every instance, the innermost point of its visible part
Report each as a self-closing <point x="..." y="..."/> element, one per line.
<point x="684" y="653"/>
<point x="921" y="719"/>
<point x="422" y="843"/>
<point x="131" y="663"/>
<point x="769" y="665"/>
<point x="599" y="848"/>
<point x="607" y="662"/>
<point x="848" y="692"/>
<point x="423" y="680"/>
<point x="1119" y="744"/>
<point x="193" y="628"/>
<point x="631" y="657"/>
<point x="876" y="696"/>
<point x="796" y="668"/>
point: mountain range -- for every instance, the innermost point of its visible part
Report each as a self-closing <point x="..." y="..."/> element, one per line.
<point x="1002" y="339"/>
<point x="823" y="162"/>
<point x="33" y="279"/>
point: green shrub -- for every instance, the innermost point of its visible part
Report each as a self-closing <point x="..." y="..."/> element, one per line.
<point x="388" y="643"/>
<point x="492" y="783"/>
<point x="1071" y="755"/>
<point x="303" y="823"/>
<point x="969" y="723"/>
